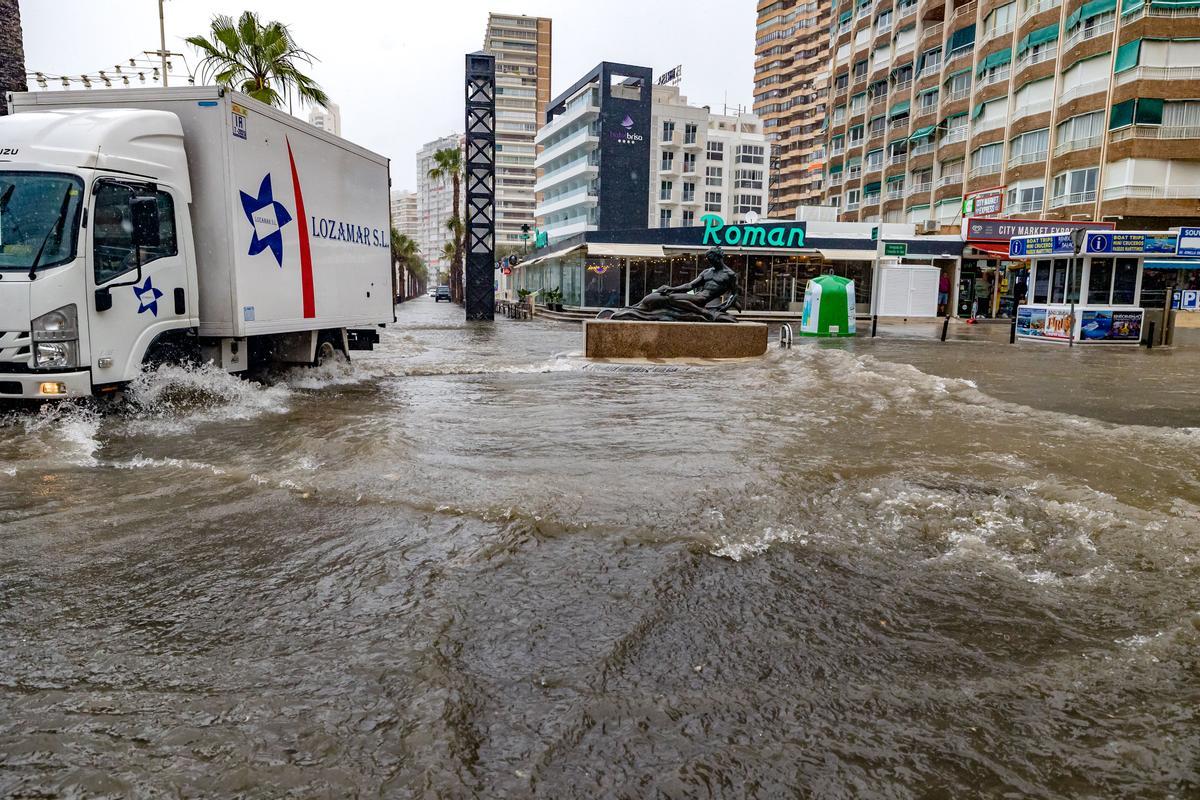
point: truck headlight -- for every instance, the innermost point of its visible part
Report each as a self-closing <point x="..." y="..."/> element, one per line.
<point x="56" y="339"/>
<point x="56" y="355"/>
<point x="59" y="325"/>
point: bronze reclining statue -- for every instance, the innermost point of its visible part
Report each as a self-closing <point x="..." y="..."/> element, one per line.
<point x="697" y="301"/>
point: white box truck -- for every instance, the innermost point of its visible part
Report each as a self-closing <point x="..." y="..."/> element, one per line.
<point x="140" y="226"/>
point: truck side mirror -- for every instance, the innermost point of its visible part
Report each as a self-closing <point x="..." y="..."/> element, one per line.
<point x="103" y="299"/>
<point x="144" y="211"/>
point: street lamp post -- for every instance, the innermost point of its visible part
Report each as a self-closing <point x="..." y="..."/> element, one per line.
<point x="162" y="38"/>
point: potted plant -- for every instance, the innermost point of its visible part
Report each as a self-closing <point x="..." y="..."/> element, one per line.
<point x="555" y="299"/>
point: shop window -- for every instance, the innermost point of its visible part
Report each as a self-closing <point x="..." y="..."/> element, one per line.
<point x="602" y="285"/>
<point x="1100" y="280"/>
<point x="1041" y="285"/>
<point x="1125" y="281"/>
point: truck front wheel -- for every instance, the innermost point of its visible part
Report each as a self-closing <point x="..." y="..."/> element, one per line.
<point x="330" y="349"/>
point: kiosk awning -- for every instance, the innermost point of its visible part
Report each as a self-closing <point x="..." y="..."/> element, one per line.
<point x="848" y="255"/>
<point x="625" y="250"/>
<point x="1171" y="263"/>
<point x="556" y="254"/>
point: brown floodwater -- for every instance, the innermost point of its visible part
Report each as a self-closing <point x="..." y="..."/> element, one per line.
<point x="471" y="564"/>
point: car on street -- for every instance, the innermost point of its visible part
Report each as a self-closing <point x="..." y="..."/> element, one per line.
<point x="442" y="293"/>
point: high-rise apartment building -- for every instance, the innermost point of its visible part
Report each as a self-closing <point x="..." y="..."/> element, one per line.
<point x="704" y="163"/>
<point x="328" y="119"/>
<point x="522" y="47"/>
<point x="404" y="213"/>
<point x="791" y="84"/>
<point x="435" y="205"/>
<point x="1051" y="109"/>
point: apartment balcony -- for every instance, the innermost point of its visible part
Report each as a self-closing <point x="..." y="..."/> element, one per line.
<point x="695" y="143"/>
<point x="877" y="102"/>
<point x="898" y="124"/>
<point x="584" y="196"/>
<point x="1027" y="158"/>
<point x="1158" y="74"/>
<point x="905" y="13"/>
<point x="1083" y="33"/>
<point x="964" y="13"/>
<point x="579" y="169"/>
<point x="842" y="92"/>
<point x="902" y="87"/>
<point x="982" y="126"/>
<point x="873" y="167"/>
<point x="957" y="56"/>
<point x="995" y="33"/>
<point x="955" y="96"/>
<point x="870" y="200"/>
<point x="1076" y="144"/>
<point x="992" y="78"/>
<point x="1145" y="192"/>
<point x="920" y="188"/>
<point x="930" y="69"/>
<point x="837" y="151"/>
<point x="1148" y="11"/>
<point x="1150" y="132"/>
<point x="1083" y="90"/>
<point x="895" y="193"/>
<point x="953" y="136"/>
<point x="925" y="111"/>
<point x="1029" y="109"/>
<point x="921" y="149"/>
<point x="835" y="179"/>
<point x="853" y="206"/>
<point x="1078" y="197"/>
<point x="1045" y="54"/>
<point x="1037" y="8"/>
<point x="853" y="173"/>
<point x="582" y="137"/>
<point x="577" y="113"/>
<point x="984" y="169"/>
<point x="949" y="180"/>
<point x="898" y="159"/>
<point x="904" y="49"/>
<point x="933" y="31"/>
<point x="1031" y="207"/>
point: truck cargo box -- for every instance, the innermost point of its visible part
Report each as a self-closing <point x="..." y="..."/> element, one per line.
<point x="291" y="224"/>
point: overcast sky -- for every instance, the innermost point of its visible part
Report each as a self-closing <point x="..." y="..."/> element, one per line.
<point x="396" y="68"/>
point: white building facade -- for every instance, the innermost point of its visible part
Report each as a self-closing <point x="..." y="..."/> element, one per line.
<point x="435" y="205"/>
<point x="704" y="163"/>
<point x="404" y="213"/>
<point x="328" y="119"/>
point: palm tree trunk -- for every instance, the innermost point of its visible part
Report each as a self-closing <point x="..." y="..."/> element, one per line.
<point x="12" y="52"/>
<point x="456" y="271"/>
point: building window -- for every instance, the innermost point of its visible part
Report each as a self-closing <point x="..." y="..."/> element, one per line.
<point x="716" y="151"/>
<point x="748" y="179"/>
<point x="987" y="156"/>
<point x="860" y="69"/>
<point x="852" y="199"/>
<point x="713" y="176"/>
<point x="664" y="190"/>
<point x="689" y="162"/>
<point x="689" y="192"/>
<point x="1026" y="199"/>
<point x="668" y="130"/>
<point x="1074" y="186"/>
<point x="664" y="218"/>
<point x="689" y="218"/>
<point x="754" y="153"/>
<point x="747" y="203"/>
<point x="668" y="162"/>
<point x="689" y="133"/>
<point x="1029" y="147"/>
<point x="1079" y="132"/>
<point x="712" y="201"/>
<point x="958" y="84"/>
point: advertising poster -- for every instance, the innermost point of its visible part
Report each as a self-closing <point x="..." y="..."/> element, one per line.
<point x="1095" y="325"/>
<point x="1031" y="321"/>
<point x="1126" y="326"/>
<point x="1058" y="323"/>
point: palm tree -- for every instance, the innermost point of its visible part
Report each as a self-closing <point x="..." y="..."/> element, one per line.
<point x="12" y="52"/>
<point x="257" y="58"/>
<point x="406" y="256"/>
<point x="448" y="164"/>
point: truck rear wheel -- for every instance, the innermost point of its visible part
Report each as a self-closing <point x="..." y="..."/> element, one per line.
<point x="330" y="350"/>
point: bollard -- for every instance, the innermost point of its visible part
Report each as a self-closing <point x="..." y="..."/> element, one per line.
<point x="1012" y="332"/>
<point x="1150" y="338"/>
<point x="945" y="326"/>
<point x="874" y="323"/>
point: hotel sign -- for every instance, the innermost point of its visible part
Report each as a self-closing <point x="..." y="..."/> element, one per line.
<point x="781" y="235"/>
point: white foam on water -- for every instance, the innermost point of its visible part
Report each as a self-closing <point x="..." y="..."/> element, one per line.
<point x="57" y="434"/>
<point x="176" y="398"/>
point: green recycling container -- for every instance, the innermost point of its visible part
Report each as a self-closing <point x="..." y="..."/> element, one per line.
<point x="828" y="307"/>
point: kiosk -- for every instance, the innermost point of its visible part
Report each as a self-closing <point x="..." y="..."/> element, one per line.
<point x="1086" y="286"/>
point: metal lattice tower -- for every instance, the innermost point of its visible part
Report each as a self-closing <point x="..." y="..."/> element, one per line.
<point x="481" y="186"/>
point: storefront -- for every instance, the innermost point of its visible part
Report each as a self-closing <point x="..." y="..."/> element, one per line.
<point x="1091" y="291"/>
<point x="991" y="284"/>
<point x="775" y="260"/>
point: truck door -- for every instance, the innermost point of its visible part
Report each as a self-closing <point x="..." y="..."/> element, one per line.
<point x="133" y="305"/>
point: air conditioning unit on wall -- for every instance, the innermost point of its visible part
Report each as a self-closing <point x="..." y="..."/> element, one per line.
<point x="930" y="226"/>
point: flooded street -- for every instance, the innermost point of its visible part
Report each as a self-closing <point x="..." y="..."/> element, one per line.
<point x="473" y="565"/>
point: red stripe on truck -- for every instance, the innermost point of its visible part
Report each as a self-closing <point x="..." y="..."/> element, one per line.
<point x="306" y="272"/>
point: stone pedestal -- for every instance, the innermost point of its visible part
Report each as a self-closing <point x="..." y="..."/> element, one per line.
<point x="604" y="338"/>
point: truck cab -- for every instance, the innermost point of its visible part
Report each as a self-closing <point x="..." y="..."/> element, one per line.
<point x="97" y="267"/>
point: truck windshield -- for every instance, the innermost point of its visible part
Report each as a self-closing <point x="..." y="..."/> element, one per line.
<point x="31" y="204"/>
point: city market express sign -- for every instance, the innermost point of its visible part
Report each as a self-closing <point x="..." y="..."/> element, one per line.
<point x="717" y="233"/>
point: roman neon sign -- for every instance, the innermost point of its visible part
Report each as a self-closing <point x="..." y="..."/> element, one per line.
<point x="716" y="232"/>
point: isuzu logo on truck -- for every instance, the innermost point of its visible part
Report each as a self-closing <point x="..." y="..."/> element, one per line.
<point x="9" y="151"/>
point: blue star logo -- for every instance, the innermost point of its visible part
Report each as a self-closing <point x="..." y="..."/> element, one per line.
<point x="267" y="217"/>
<point x="147" y="297"/>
